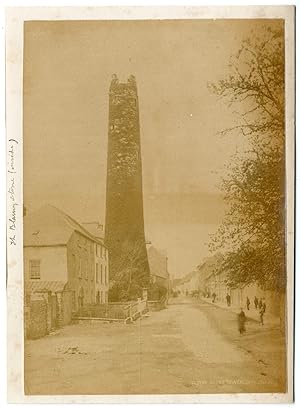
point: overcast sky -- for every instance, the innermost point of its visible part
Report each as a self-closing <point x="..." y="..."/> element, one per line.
<point x="67" y="72"/>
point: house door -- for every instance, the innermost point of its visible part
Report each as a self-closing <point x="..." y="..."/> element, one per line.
<point x="81" y="298"/>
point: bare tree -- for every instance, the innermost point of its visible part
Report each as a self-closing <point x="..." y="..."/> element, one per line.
<point x="132" y="273"/>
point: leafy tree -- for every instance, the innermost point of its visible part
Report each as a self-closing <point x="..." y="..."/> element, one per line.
<point x="252" y="234"/>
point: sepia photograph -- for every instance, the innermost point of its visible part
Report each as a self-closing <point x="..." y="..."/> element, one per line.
<point x="156" y="206"/>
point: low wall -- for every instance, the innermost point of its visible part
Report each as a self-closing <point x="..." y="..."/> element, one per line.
<point x="271" y="298"/>
<point x="107" y="310"/>
<point x="116" y="310"/>
<point x="239" y="296"/>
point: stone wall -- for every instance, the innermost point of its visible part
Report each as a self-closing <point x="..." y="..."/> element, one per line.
<point x="26" y="315"/>
<point x="53" y="307"/>
<point x="37" y="326"/>
<point x="45" y="312"/>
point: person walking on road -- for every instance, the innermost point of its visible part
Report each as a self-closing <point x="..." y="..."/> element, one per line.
<point x="241" y="321"/>
<point x="214" y="297"/>
<point x="264" y="306"/>
<point x="228" y="299"/>
<point x="261" y="315"/>
<point x="255" y="302"/>
<point x="262" y="310"/>
<point x="248" y="303"/>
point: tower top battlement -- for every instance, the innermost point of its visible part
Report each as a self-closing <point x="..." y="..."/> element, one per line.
<point x="116" y="85"/>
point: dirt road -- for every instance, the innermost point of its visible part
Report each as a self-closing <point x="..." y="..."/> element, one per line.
<point x="186" y="348"/>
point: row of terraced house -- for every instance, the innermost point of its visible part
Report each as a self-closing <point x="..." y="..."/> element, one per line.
<point x="207" y="280"/>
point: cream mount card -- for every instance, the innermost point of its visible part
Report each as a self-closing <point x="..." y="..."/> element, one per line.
<point x="150" y="204"/>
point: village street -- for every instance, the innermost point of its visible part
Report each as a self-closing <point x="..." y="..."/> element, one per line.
<point x="190" y="347"/>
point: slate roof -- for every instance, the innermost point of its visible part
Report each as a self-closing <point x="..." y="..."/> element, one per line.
<point x="94" y="228"/>
<point x="51" y="226"/>
<point x="39" y="286"/>
<point x="208" y="267"/>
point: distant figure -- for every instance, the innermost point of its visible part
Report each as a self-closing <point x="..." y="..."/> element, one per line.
<point x="214" y="297"/>
<point x="264" y="306"/>
<point x="248" y="303"/>
<point x="228" y="299"/>
<point x="262" y="310"/>
<point x="241" y="321"/>
<point x="261" y="315"/>
<point x="255" y="302"/>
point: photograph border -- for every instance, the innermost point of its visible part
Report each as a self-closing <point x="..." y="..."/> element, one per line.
<point x="15" y="18"/>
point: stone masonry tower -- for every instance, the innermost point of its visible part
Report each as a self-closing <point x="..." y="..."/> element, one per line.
<point x="124" y="226"/>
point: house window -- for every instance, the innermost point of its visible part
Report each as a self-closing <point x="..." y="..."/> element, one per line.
<point x="86" y="270"/>
<point x="92" y="274"/>
<point x="101" y="274"/>
<point x="34" y="269"/>
<point x="101" y="248"/>
<point x="97" y="273"/>
<point x="73" y="264"/>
